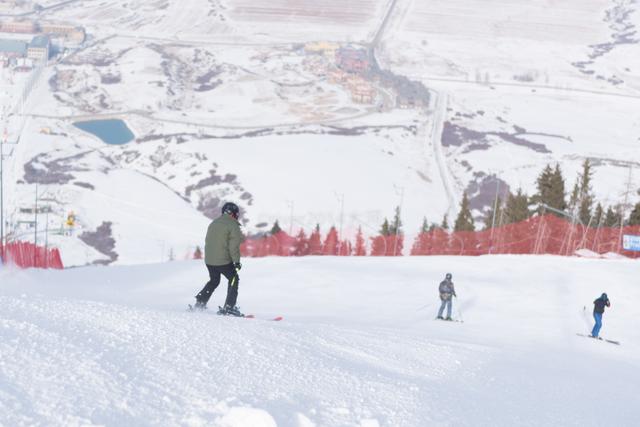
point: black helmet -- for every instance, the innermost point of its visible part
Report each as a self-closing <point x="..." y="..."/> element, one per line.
<point x="448" y="276"/>
<point x="604" y="296"/>
<point x="231" y="209"/>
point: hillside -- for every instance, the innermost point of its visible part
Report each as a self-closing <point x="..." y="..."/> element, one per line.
<point x="358" y="346"/>
<point x="228" y="103"/>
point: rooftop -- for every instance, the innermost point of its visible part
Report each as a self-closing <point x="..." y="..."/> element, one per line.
<point x="13" y="46"/>
<point x="40" y="41"/>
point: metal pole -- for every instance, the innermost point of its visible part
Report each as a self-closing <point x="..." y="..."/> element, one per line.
<point x="2" y="200"/>
<point x="495" y="209"/>
<point x="46" y="239"/>
<point x="626" y="201"/>
<point x="35" y="234"/>
<point x="291" y="204"/>
<point x="395" y="239"/>
<point x="341" y="200"/>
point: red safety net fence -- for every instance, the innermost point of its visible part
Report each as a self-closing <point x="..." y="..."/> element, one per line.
<point x="545" y="234"/>
<point x="28" y="255"/>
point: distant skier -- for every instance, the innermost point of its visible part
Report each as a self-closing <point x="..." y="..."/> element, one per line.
<point x="447" y="291"/>
<point x="598" y="310"/>
<point x="222" y="256"/>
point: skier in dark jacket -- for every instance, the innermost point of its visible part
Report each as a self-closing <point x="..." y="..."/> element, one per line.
<point x="598" y="310"/>
<point x="447" y="291"/>
<point x="222" y="256"/>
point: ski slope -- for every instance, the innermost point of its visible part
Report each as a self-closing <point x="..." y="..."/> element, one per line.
<point x="358" y="346"/>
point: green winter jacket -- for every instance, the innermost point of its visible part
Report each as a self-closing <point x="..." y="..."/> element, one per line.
<point x="222" y="244"/>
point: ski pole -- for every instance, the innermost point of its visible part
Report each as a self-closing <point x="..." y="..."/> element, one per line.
<point x="458" y="309"/>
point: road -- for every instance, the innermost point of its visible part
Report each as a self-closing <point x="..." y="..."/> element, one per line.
<point x="439" y="116"/>
<point x="531" y="86"/>
<point x="33" y="12"/>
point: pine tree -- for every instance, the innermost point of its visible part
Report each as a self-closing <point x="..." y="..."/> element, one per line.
<point x="581" y="201"/>
<point x="557" y="198"/>
<point x="385" y="230"/>
<point x="586" y="197"/>
<point x="360" y="249"/>
<point x="197" y="254"/>
<point x="543" y="183"/>
<point x="575" y="197"/>
<point x="315" y="242"/>
<point x="493" y="215"/>
<point x="445" y="223"/>
<point x="550" y="184"/>
<point x="330" y="246"/>
<point x="425" y="226"/>
<point x="464" y="222"/>
<point x="634" y="217"/>
<point x="517" y="207"/>
<point x="598" y="216"/>
<point x="396" y="226"/>
<point x="276" y="228"/>
<point x="301" y="244"/>
<point x="612" y="218"/>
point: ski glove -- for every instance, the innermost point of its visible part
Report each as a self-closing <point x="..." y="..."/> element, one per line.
<point x="237" y="265"/>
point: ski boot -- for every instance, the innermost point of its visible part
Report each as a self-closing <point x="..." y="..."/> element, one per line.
<point x="228" y="310"/>
<point x="448" y="318"/>
<point x="440" y="318"/>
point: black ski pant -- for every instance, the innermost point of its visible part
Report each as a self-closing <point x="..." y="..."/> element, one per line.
<point x="229" y="271"/>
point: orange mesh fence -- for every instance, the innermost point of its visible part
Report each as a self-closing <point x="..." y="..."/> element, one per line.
<point x="546" y="234"/>
<point x="28" y="255"/>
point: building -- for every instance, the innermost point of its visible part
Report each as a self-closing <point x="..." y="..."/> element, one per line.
<point x="13" y="49"/>
<point x="69" y="32"/>
<point x="38" y="48"/>
<point x="355" y="61"/>
<point x="321" y="48"/>
<point x="24" y="27"/>
<point x="363" y="94"/>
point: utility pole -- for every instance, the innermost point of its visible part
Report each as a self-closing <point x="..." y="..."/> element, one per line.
<point x="395" y="239"/>
<point x="291" y="204"/>
<point x="35" y="234"/>
<point x="341" y="200"/>
<point x="624" y="207"/>
<point x="495" y="210"/>
<point x="2" y="198"/>
<point x="46" y="238"/>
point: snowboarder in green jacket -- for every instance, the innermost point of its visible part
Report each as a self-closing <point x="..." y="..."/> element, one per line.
<point x="222" y="256"/>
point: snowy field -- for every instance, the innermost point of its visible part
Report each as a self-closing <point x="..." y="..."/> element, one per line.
<point x="538" y="41"/>
<point x="243" y="21"/>
<point x="358" y="346"/>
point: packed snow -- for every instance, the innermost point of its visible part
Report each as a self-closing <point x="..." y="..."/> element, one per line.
<point x="358" y="345"/>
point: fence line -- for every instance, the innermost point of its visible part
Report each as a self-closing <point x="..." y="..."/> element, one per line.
<point x="28" y="255"/>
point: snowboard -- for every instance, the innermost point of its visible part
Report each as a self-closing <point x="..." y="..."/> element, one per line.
<point x="600" y="339"/>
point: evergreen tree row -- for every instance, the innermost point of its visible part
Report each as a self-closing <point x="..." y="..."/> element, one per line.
<point x="550" y="198"/>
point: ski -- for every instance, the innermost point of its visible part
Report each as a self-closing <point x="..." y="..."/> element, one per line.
<point x="193" y="309"/>
<point x="450" y="320"/>
<point x="600" y="339"/>
<point x="273" y="319"/>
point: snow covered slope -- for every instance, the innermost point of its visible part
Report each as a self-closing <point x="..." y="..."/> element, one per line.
<point x="358" y="346"/>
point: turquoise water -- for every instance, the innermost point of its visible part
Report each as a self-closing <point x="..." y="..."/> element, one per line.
<point x="112" y="131"/>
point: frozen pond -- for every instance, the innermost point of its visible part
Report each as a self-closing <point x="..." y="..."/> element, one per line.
<point x="112" y="131"/>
